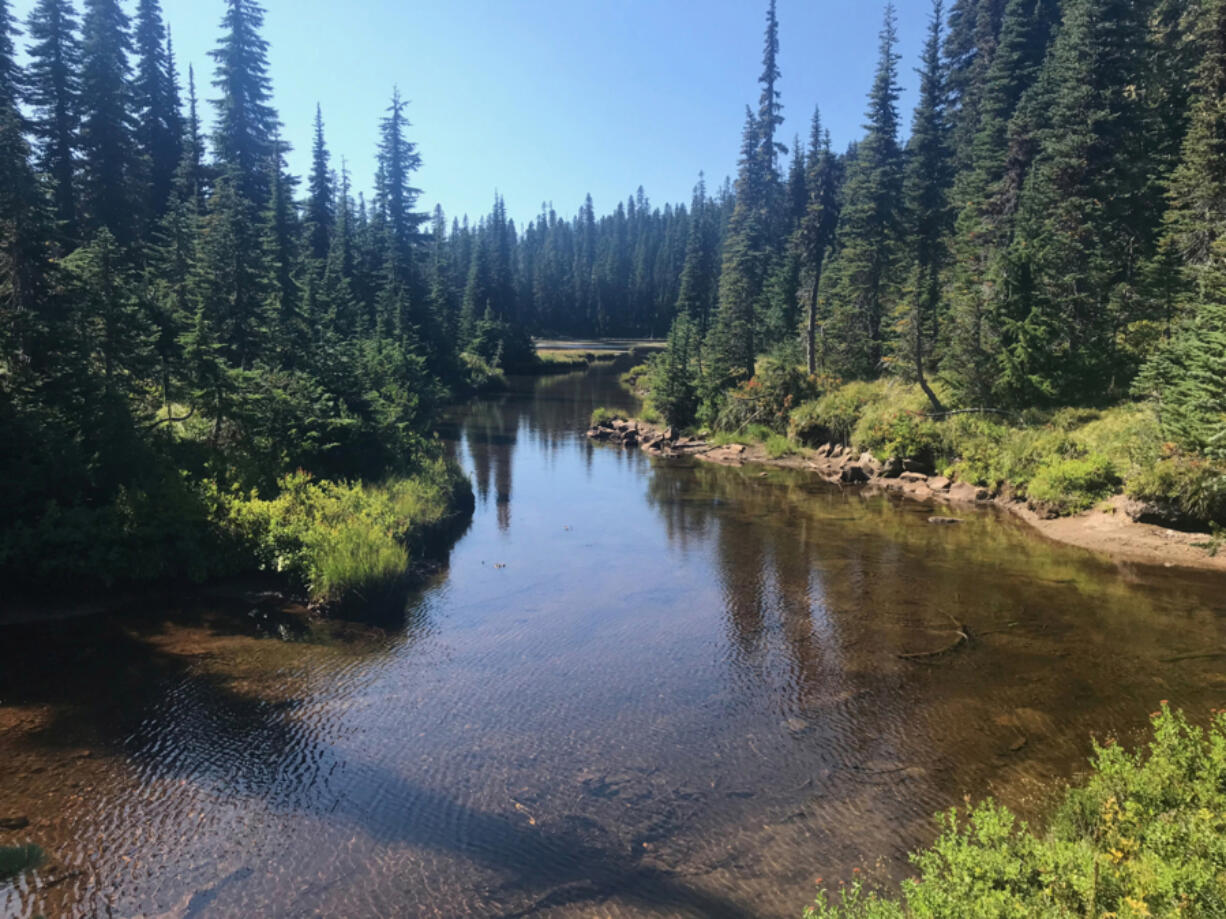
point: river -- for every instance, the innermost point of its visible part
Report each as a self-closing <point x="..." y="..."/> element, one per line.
<point x="636" y="688"/>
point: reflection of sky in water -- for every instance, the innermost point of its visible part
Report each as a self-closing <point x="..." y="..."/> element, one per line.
<point x="638" y="690"/>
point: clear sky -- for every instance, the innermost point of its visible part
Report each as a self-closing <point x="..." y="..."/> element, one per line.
<point x="546" y="100"/>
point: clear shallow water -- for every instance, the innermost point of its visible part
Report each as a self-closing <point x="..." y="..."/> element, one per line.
<point x="636" y="690"/>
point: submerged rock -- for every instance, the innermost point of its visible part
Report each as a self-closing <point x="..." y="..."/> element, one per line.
<point x="14" y="823"/>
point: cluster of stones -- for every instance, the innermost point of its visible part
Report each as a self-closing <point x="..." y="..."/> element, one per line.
<point x="833" y="462"/>
<point x="838" y="463"/>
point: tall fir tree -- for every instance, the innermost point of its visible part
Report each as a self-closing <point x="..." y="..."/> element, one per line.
<point x="872" y="223"/>
<point x="155" y="105"/>
<point x="815" y="236"/>
<point x="108" y="145"/>
<point x="1187" y="376"/>
<point x="53" y="93"/>
<point x="246" y="121"/>
<point x="321" y="205"/>
<point x="929" y="175"/>
<point x="1088" y="212"/>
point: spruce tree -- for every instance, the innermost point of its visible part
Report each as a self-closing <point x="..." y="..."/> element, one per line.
<point x="698" y="271"/>
<point x="1088" y="214"/>
<point x="816" y="234"/>
<point x="871" y="227"/>
<point x="155" y="105"/>
<point x="108" y="147"/>
<point x="246" y="121"/>
<point x="1188" y="375"/>
<point x="53" y="93"/>
<point x="321" y="205"/>
<point x="986" y="194"/>
<point x="928" y="178"/>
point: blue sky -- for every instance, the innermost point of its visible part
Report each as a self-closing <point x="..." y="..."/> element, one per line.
<point x="546" y="100"/>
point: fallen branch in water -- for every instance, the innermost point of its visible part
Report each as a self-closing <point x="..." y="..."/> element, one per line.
<point x="963" y="638"/>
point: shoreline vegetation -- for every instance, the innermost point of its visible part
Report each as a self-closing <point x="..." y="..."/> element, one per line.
<point x="1078" y="478"/>
<point x="1144" y="836"/>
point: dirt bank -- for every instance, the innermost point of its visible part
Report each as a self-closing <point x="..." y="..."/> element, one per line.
<point x="1107" y="529"/>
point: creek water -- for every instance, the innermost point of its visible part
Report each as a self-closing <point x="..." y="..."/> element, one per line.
<point x="635" y="688"/>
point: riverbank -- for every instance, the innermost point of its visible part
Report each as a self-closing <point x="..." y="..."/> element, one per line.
<point x="319" y="546"/>
<point x="1109" y="528"/>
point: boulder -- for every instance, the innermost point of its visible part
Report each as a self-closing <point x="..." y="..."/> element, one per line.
<point x="913" y="465"/>
<point x="670" y="434"/>
<point x="869" y="464"/>
<point x="913" y="477"/>
<point x="825" y="449"/>
<point x="891" y="468"/>
<point x="853" y="475"/>
<point x="964" y="491"/>
<point x="944" y="521"/>
<point x="939" y="483"/>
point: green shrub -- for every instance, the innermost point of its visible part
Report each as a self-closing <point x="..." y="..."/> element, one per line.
<point x="778" y="446"/>
<point x="767" y="399"/>
<point x="1070" y="485"/>
<point x="480" y="375"/>
<point x="1184" y="489"/>
<point x="1146" y="836"/>
<point x="603" y="415"/>
<point x="839" y="410"/>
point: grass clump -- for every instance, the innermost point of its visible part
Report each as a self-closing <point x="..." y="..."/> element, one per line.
<point x="1145" y="837"/>
<point x="778" y="446"/>
<point x="342" y="540"/>
<point x="604" y="415"/>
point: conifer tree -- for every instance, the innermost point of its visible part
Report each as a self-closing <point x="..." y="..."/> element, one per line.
<point x="321" y="205"/>
<point x="155" y="105"/>
<point x="53" y="92"/>
<point x="246" y="121"/>
<point x="871" y="228"/>
<point x="1087" y="214"/>
<point x="698" y="271"/>
<point x="928" y="178"/>
<point x="986" y="193"/>
<point x="108" y="147"/>
<point x="1188" y="375"/>
<point x="815" y="236"/>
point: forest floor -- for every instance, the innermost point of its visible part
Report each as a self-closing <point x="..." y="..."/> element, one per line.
<point x="1106" y="529"/>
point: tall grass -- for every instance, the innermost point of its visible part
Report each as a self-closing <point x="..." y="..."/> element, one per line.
<point x="345" y="540"/>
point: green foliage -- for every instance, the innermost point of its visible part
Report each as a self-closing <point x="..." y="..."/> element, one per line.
<point x="893" y="425"/>
<point x="1075" y="484"/>
<point x="778" y="446"/>
<point x="1183" y="488"/>
<point x="603" y="415"/>
<point x="1146" y="836"/>
<point x="480" y="375"/>
<point x="16" y="859"/>
<point x="344" y="541"/>
<point x="769" y="397"/>
<point x="838" y="412"/>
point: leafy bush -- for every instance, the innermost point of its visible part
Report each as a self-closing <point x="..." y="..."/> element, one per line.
<point x="768" y="398"/>
<point x="1070" y="485"/>
<point x="604" y="415"/>
<point x="839" y="411"/>
<point x="1184" y="489"/>
<point x="341" y="540"/>
<point x="778" y="446"/>
<point x="480" y="375"/>
<point x="1146" y="836"/>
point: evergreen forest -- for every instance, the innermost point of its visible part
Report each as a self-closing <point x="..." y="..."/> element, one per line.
<point x="188" y="331"/>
